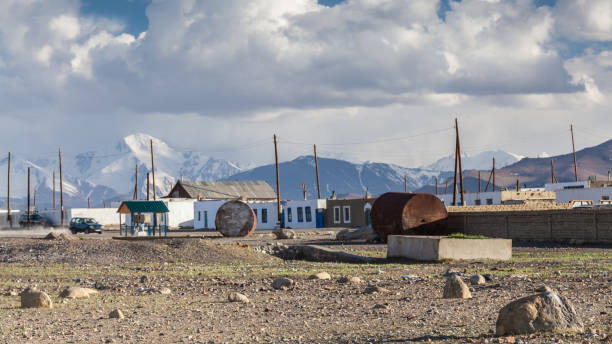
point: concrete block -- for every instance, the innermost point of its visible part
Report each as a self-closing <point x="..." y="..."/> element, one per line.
<point x="432" y="248"/>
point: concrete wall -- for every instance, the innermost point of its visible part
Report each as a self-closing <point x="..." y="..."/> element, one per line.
<point x="590" y="225"/>
<point x="181" y="212"/>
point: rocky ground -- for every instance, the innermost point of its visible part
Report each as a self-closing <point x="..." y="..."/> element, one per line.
<point x="201" y="273"/>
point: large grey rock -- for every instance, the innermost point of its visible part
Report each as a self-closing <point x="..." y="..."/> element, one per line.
<point x="77" y="292"/>
<point x="282" y="283"/>
<point x="33" y="298"/>
<point x="362" y="233"/>
<point x="456" y="289"/>
<point x="284" y="233"/>
<point x="545" y="311"/>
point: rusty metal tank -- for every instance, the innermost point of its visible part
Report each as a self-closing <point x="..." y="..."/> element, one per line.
<point x="408" y="214"/>
<point x="235" y="219"/>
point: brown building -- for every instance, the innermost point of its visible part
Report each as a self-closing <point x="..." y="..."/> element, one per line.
<point x="348" y="212"/>
<point x="229" y="190"/>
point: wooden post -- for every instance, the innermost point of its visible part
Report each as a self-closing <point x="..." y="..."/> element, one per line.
<point x="28" y="208"/>
<point x="278" y="204"/>
<point x="552" y="171"/>
<point x="493" y="171"/>
<point x="491" y="174"/>
<point x="8" y="191"/>
<point x="445" y="187"/>
<point x="574" y="150"/>
<point x="455" y="174"/>
<point x="88" y="203"/>
<point x="517" y="185"/>
<point x="35" y="207"/>
<point x="61" y="189"/>
<point x="479" y="182"/>
<point x="53" y="189"/>
<point x="405" y="184"/>
<point x="153" y="171"/>
<point x="436" y="185"/>
<point x="459" y="157"/>
<point x="304" y="190"/>
<point x="316" y="159"/>
<point x="136" y="184"/>
<point x="104" y="204"/>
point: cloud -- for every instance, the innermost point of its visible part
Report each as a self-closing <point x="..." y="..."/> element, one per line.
<point x="581" y="20"/>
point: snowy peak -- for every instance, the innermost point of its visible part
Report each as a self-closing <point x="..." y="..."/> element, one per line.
<point x="480" y="161"/>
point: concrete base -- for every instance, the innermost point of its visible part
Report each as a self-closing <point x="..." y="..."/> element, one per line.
<point x="430" y="248"/>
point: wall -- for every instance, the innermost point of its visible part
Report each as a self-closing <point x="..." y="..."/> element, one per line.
<point x="180" y="212"/>
<point x="294" y="207"/>
<point x="357" y="212"/>
<point x="210" y="207"/>
<point x="594" y="194"/>
<point x="104" y="216"/>
<point x="590" y="225"/>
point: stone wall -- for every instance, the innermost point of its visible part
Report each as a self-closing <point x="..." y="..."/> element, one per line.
<point x="588" y="225"/>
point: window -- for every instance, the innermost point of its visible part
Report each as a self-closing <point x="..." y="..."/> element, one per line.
<point x="489" y="201"/>
<point x="336" y="214"/>
<point x="199" y="216"/>
<point x="255" y="211"/>
<point x="347" y="214"/>
<point x="205" y="219"/>
<point x="308" y="214"/>
<point x="264" y="215"/>
<point x="605" y="198"/>
<point x="300" y="213"/>
<point x="289" y="217"/>
<point x="477" y="202"/>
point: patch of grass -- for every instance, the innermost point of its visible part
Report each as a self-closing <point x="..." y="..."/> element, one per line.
<point x="466" y="236"/>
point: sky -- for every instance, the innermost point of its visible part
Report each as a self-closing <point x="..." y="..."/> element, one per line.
<point x="366" y="80"/>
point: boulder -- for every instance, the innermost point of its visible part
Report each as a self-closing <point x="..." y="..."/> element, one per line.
<point x="478" y="280"/>
<point x="33" y="298"/>
<point x="351" y="280"/>
<point x="546" y="311"/>
<point x="116" y="314"/>
<point x="284" y="233"/>
<point x="237" y="297"/>
<point x="282" y="283"/>
<point x="456" y="289"/>
<point x="365" y="233"/>
<point x="320" y="276"/>
<point x="77" y="292"/>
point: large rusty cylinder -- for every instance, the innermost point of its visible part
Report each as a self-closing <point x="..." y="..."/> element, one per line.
<point x="235" y="219"/>
<point x="402" y="213"/>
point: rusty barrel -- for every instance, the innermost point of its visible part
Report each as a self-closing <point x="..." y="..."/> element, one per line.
<point x="408" y="214"/>
<point x="235" y="219"/>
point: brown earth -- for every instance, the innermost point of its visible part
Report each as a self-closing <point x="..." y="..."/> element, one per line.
<point x="201" y="273"/>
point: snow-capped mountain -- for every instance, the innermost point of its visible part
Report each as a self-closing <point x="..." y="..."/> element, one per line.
<point x="109" y="174"/>
<point x="340" y="176"/>
<point x="480" y="161"/>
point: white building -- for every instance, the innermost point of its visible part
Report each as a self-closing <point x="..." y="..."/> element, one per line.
<point x="478" y="198"/>
<point x="595" y="191"/>
<point x="180" y="213"/>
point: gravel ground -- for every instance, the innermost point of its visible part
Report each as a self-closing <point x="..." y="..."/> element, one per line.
<point x="201" y="273"/>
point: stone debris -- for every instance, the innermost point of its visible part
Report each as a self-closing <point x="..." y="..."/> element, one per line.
<point x="351" y="279"/>
<point x="376" y="289"/>
<point x="478" y="280"/>
<point x="237" y="297"/>
<point x="59" y="236"/>
<point x="116" y="314"/>
<point x="165" y="291"/>
<point x="282" y="283"/>
<point x="284" y="233"/>
<point x="365" y="233"/>
<point x="33" y="298"/>
<point x="546" y="311"/>
<point x="77" y="292"/>
<point x="320" y="276"/>
<point x="455" y="288"/>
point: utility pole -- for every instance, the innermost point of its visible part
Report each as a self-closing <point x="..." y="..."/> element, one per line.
<point x="445" y="187"/>
<point x="278" y="204"/>
<point x="136" y="184"/>
<point x="53" y="189"/>
<point x="405" y="184"/>
<point x="436" y="186"/>
<point x="153" y="171"/>
<point x="88" y="203"/>
<point x="304" y="190"/>
<point x="148" y="187"/>
<point x="28" y="209"/>
<point x="61" y="189"/>
<point x="493" y="174"/>
<point x="552" y="171"/>
<point x="478" y="181"/>
<point x="517" y="185"/>
<point x="316" y="159"/>
<point x="35" y="207"/>
<point x="574" y="150"/>
<point x="455" y="174"/>
<point x="458" y="157"/>
<point x="8" y="191"/>
<point x="104" y="203"/>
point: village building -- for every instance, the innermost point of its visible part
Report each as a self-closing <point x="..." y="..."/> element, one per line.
<point x="349" y="212"/>
<point x="526" y="196"/>
<point x="597" y="192"/>
<point x="225" y="190"/>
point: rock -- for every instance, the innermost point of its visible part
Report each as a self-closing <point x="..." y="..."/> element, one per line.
<point x="237" y="297"/>
<point x="352" y="280"/>
<point x="362" y="233"/>
<point x="488" y="277"/>
<point x="59" y="236"/>
<point x="282" y="283"/>
<point x="33" y="298"/>
<point x="144" y="279"/>
<point x="116" y="314"/>
<point x="543" y="289"/>
<point x="320" y="276"/>
<point x="376" y="289"/>
<point x="165" y="291"/>
<point x="284" y="233"/>
<point x="545" y="311"/>
<point x="409" y="277"/>
<point x="77" y="292"/>
<point x="478" y="280"/>
<point x="456" y="289"/>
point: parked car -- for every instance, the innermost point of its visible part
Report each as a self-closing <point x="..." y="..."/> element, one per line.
<point x="581" y="204"/>
<point x="85" y="225"/>
<point x="35" y="220"/>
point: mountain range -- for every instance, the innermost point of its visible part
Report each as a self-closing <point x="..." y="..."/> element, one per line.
<point x="109" y="175"/>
